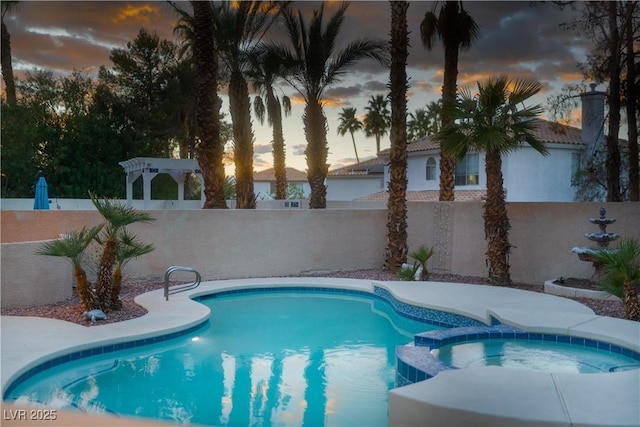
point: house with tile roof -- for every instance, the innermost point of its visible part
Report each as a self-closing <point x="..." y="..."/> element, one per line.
<point x="357" y="180"/>
<point x="528" y="176"/>
<point x="264" y="183"/>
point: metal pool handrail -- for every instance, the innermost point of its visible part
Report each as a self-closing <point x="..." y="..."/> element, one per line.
<point x="179" y="288"/>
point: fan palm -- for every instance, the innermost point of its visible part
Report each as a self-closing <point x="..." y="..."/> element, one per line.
<point x="316" y="65"/>
<point x="129" y="247"/>
<point x="72" y="246"/>
<point x="265" y="70"/>
<point x="118" y="216"/>
<point x="622" y="274"/>
<point x="378" y="118"/>
<point x="495" y="122"/>
<point x="449" y="22"/>
<point x="350" y="123"/>
<point x="396" y="246"/>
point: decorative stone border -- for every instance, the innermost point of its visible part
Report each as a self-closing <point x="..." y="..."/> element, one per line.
<point x="566" y="291"/>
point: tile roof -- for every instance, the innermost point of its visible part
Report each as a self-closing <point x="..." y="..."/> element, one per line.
<point x="429" y="196"/>
<point x="369" y="167"/>
<point x="548" y="132"/>
<point x="268" y="175"/>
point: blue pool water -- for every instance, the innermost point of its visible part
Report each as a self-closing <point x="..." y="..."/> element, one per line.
<point x="533" y="355"/>
<point x="286" y="358"/>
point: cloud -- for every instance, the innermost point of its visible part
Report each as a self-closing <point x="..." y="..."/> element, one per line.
<point x="262" y="148"/>
<point x="298" y="149"/>
<point x="259" y="163"/>
<point x="139" y="13"/>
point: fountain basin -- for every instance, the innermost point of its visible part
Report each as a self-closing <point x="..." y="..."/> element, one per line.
<point x="569" y="292"/>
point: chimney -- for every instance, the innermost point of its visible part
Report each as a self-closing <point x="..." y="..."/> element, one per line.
<point x="592" y="119"/>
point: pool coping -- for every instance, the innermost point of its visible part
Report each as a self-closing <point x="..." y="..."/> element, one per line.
<point x="27" y="342"/>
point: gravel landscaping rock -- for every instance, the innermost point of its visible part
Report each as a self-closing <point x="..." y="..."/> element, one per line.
<point x="70" y="310"/>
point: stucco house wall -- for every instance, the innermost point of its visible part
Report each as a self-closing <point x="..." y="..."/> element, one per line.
<point x="351" y="187"/>
<point x="530" y="177"/>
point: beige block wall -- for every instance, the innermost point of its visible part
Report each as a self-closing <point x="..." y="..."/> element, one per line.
<point x="223" y="244"/>
<point x="30" y="280"/>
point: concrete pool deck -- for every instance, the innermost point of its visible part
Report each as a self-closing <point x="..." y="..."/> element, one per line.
<point x="478" y="396"/>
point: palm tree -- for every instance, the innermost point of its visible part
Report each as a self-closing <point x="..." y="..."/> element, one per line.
<point x="493" y="121"/>
<point x="316" y="65"/>
<point x="418" y="124"/>
<point x="350" y="123"/>
<point x="378" y="119"/>
<point x="266" y="69"/>
<point x="434" y="116"/>
<point x="396" y="247"/>
<point x="72" y="246"/>
<point x="118" y="216"/>
<point x="129" y="247"/>
<point x="5" y="55"/>
<point x="622" y="274"/>
<point x="239" y="27"/>
<point x="457" y="30"/>
<point x="210" y="151"/>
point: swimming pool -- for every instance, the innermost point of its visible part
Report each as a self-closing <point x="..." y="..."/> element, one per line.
<point x="263" y="358"/>
<point x="489" y="395"/>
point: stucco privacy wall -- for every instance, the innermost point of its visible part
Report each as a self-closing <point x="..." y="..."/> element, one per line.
<point x="243" y="243"/>
<point x="29" y="280"/>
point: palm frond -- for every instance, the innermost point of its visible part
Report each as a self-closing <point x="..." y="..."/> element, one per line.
<point x="366" y="48"/>
<point x="623" y="260"/>
<point x="131" y="247"/>
<point x="72" y="245"/>
<point x="259" y="109"/>
<point x="286" y="105"/>
<point x="117" y="214"/>
<point x="429" y="30"/>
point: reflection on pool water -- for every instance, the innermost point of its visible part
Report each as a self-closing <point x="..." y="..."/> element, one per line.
<point x="286" y="358"/>
<point x="533" y="355"/>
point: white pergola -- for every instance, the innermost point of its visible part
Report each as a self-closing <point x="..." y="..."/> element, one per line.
<point x="149" y="167"/>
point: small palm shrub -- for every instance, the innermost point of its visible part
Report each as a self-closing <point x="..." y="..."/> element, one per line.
<point x="116" y="247"/>
<point x="72" y="246"/>
<point x="622" y="274"/>
<point x="421" y="257"/>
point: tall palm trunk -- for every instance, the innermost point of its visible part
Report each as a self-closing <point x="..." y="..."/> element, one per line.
<point x="279" y="167"/>
<point x="210" y="151"/>
<point x="632" y="112"/>
<point x="496" y="221"/>
<point x="355" y="149"/>
<point x="613" y="151"/>
<point x="449" y="90"/>
<point x="104" y="280"/>
<point x="243" y="140"/>
<point x="631" y="304"/>
<point x="7" y="66"/>
<point x="315" y="129"/>
<point x="396" y="250"/>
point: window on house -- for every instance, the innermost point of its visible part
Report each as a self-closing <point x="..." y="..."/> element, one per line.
<point x="295" y="190"/>
<point x="431" y="169"/>
<point x="467" y="170"/>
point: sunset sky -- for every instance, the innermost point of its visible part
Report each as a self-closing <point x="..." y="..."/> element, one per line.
<point x="521" y="39"/>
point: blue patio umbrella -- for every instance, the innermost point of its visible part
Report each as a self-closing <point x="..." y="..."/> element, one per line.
<point x="42" y="195"/>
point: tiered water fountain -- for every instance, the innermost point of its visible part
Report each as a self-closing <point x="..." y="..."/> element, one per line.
<point x="602" y="238"/>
